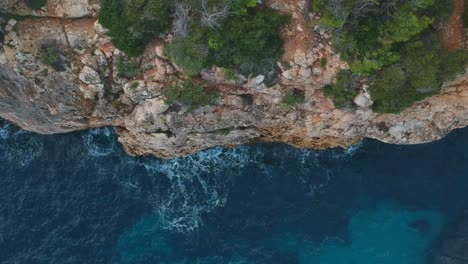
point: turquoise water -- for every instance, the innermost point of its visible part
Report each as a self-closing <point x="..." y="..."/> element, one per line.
<point x="78" y="198"/>
<point x="383" y="235"/>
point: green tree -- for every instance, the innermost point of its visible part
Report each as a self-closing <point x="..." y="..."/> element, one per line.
<point x="190" y="53"/>
<point x="342" y="92"/>
<point x="134" y="23"/>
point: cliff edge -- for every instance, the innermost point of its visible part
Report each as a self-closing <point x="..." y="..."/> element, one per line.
<point x="84" y="88"/>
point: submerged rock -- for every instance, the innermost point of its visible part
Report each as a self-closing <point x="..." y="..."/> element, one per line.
<point x="453" y="248"/>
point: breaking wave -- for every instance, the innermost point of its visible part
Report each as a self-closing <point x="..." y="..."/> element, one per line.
<point x="185" y="189"/>
<point x="100" y="142"/>
<point x="18" y="145"/>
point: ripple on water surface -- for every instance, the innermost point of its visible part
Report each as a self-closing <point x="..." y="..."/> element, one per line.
<point x="78" y="198"/>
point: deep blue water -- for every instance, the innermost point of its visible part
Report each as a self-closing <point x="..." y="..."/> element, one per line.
<point x="78" y="198"/>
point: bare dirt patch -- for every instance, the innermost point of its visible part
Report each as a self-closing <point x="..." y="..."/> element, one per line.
<point x="298" y="35"/>
<point x="451" y="32"/>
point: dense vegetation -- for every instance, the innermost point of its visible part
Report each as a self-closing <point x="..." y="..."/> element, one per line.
<point x="238" y="35"/>
<point x="343" y="92"/>
<point x="189" y="94"/>
<point x="391" y="43"/>
<point x="132" y="24"/>
<point x="36" y="4"/>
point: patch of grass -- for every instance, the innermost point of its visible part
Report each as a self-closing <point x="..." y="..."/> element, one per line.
<point x="323" y="62"/>
<point x="294" y="97"/>
<point x="189" y="94"/>
<point x="135" y="85"/>
<point x="36" y="4"/>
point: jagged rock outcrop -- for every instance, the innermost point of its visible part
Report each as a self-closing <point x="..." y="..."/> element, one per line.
<point x="82" y="87"/>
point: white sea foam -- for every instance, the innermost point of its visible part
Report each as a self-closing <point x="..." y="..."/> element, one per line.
<point x="198" y="184"/>
<point x="4" y="133"/>
<point x="19" y="146"/>
<point x="100" y="142"/>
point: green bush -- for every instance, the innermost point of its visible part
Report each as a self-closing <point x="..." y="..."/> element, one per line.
<point x="247" y="39"/>
<point x="133" y="24"/>
<point x="52" y="57"/>
<point x="342" y="92"/>
<point x="190" y="53"/>
<point x="390" y="91"/>
<point x="36" y="4"/>
<point x="391" y="42"/>
<point x="127" y="69"/>
<point x="189" y="94"/>
<point x="453" y="64"/>
<point x="420" y="73"/>
<point x="294" y="97"/>
<point x="323" y="62"/>
<point x="368" y="32"/>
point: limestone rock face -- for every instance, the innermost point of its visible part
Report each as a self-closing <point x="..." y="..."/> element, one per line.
<point x="83" y="88"/>
<point x="363" y="100"/>
<point x="7" y="4"/>
<point x="69" y="8"/>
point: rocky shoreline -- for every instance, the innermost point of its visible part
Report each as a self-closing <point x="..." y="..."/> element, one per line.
<point x="88" y="91"/>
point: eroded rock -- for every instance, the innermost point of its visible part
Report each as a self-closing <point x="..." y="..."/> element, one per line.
<point x="90" y="93"/>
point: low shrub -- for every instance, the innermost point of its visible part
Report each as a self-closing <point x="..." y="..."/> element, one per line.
<point x="323" y="62"/>
<point x="127" y="69"/>
<point x="51" y="57"/>
<point x="294" y="97"/>
<point x="189" y="94"/>
<point x="343" y="91"/>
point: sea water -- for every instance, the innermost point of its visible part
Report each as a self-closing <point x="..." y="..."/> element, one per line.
<point x="78" y="198"/>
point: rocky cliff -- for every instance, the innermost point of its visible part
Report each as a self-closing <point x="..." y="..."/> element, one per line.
<point x="83" y="89"/>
